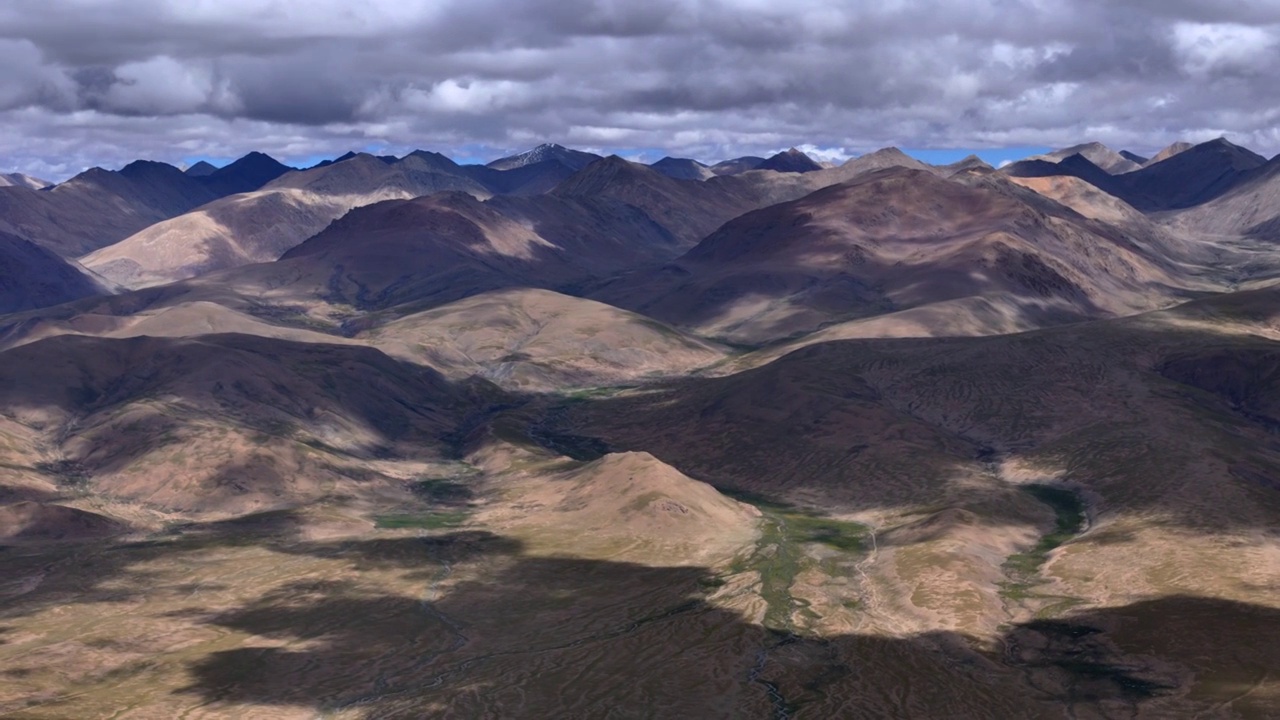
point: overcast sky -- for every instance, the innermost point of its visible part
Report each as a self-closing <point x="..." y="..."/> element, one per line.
<point x="101" y="82"/>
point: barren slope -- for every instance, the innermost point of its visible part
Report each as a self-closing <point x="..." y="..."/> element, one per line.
<point x="260" y="226"/>
<point x="99" y="207"/>
<point x="1251" y="208"/>
<point x="222" y="423"/>
<point x="889" y="241"/>
<point x="541" y="340"/>
<point x="1192" y="177"/>
<point x="1098" y="154"/>
<point x="32" y="277"/>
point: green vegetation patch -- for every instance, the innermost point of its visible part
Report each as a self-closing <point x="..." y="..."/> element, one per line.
<point x="1069" y="519"/>
<point x="839" y="534"/>
<point x="445" y="491"/>
<point x="805" y="526"/>
<point x="423" y="521"/>
<point x="779" y="557"/>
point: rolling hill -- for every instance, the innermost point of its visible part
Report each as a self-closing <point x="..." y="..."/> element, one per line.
<point x="221" y="424"/>
<point x="540" y="340"/>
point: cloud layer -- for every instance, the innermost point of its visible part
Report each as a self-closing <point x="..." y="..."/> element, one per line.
<point x="104" y="81"/>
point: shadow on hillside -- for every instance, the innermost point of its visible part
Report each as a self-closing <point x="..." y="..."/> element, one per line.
<point x="269" y="387"/>
<point x="890" y="423"/>
<point x="118" y="572"/>
<point x="579" y="638"/>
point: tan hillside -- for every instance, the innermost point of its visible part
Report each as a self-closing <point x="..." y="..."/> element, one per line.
<point x="632" y="503"/>
<point x="1174" y="149"/>
<point x="183" y="319"/>
<point x="221" y="423"/>
<point x="260" y="226"/>
<point x="541" y="340"/>
<point x="1098" y="154"/>
<point x="1082" y="197"/>
<point x="22" y="180"/>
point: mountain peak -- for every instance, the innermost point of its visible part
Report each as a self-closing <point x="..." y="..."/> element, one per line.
<point x="1176" y="148"/>
<point x="575" y="159"/>
<point x="1135" y="157"/>
<point x="736" y="166"/>
<point x="147" y="168"/>
<point x="682" y="168"/>
<point x="594" y="178"/>
<point x="888" y="152"/>
<point x="1239" y="157"/>
<point x="791" y="160"/>
<point x="247" y="173"/>
<point x="431" y="156"/>
<point x="201" y="169"/>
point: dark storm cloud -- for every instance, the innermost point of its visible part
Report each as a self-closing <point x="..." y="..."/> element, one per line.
<point x="103" y="81"/>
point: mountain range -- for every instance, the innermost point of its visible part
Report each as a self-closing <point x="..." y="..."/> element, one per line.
<point x="569" y="435"/>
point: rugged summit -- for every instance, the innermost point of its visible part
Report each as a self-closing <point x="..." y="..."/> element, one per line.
<point x="791" y="160"/>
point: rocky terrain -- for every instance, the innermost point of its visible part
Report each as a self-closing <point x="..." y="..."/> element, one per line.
<point x="566" y="435"/>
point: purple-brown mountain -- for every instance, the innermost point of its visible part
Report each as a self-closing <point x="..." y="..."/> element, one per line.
<point x="791" y="160"/>
<point x="99" y="207"/>
<point x="877" y="440"/>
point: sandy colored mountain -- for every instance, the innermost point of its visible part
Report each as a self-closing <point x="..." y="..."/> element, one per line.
<point x="629" y="503"/>
<point x="21" y="180"/>
<point x="540" y="340"/>
<point x="99" y="207"/>
<point x="1174" y="149"/>
<point x="611" y="216"/>
<point x="890" y="157"/>
<point x="1083" y="197"/>
<point x="1076" y="166"/>
<point x="260" y="226"/>
<point x="176" y="320"/>
<point x="970" y="164"/>
<point x="1098" y="154"/>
